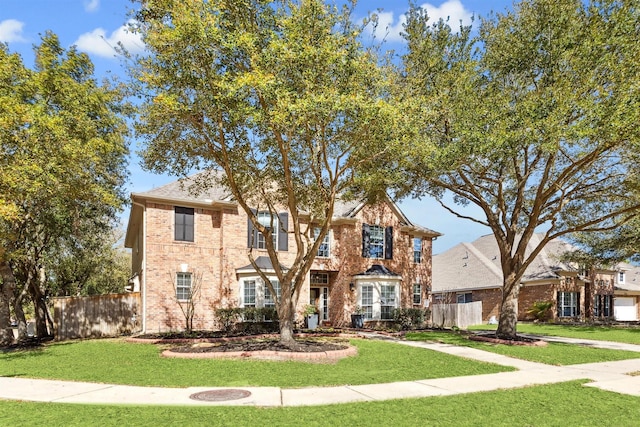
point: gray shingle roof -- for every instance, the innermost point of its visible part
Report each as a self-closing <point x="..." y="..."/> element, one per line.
<point x="476" y="265"/>
<point x="205" y="187"/>
<point x="263" y="263"/>
<point x="202" y="187"/>
<point x="378" y="270"/>
<point x="632" y="277"/>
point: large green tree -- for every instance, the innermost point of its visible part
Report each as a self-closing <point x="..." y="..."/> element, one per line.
<point x="278" y="96"/>
<point x="90" y="261"/>
<point x="62" y="166"/>
<point x="533" y="118"/>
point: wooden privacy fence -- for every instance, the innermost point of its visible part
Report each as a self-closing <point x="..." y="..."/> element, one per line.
<point x="96" y="316"/>
<point x="459" y="315"/>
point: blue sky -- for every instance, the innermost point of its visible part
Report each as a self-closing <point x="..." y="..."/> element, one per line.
<point x="94" y="26"/>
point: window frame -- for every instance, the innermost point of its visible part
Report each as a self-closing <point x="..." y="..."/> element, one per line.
<point x="602" y="305"/>
<point x="568" y="302"/>
<point x="418" y="294"/>
<point x="417" y="250"/>
<point x="367" y="307"/>
<point x="376" y="242"/>
<point x="314" y="279"/>
<point x="248" y="284"/>
<point x="324" y="250"/>
<point x="387" y="304"/>
<point x="466" y="297"/>
<point x="271" y="224"/>
<point x="378" y="299"/>
<point x="183" y="228"/>
<point x="184" y="289"/>
<point x="268" y="298"/>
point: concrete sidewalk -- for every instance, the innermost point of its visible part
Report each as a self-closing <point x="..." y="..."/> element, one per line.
<point x="611" y="376"/>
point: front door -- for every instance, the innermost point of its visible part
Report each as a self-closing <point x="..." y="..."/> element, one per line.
<point x="319" y="297"/>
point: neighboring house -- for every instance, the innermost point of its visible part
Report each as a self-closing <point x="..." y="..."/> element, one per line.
<point x="372" y="257"/>
<point x="471" y="272"/>
<point x="627" y="293"/>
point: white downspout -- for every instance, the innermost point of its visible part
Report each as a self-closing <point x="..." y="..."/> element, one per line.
<point x="143" y="265"/>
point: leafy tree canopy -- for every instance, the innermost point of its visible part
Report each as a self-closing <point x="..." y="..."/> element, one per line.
<point x="280" y="96"/>
<point x="62" y="159"/>
<point x="533" y="119"/>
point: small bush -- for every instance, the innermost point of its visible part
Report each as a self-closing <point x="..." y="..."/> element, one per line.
<point x="241" y="319"/>
<point x="541" y="310"/>
<point x="228" y="318"/>
<point x="409" y="318"/>
<point x="257" y="328"/>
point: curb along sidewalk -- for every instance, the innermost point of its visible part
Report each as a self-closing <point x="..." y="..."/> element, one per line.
<point x="611" y="376"/>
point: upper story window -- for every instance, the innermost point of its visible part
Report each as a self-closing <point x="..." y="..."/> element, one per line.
<point x="417" y="250"/>
<point x="277" y="224"/>
<point x="377" y="241"/>
<point x="324" y="250"/>
<point x="621" y="277"/>
<point x="271" y="223"/>
<point x="184" y="224"/>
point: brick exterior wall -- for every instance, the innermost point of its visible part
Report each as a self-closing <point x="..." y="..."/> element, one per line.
<point x="220" y="248"/>
<point x="531" y="293"/>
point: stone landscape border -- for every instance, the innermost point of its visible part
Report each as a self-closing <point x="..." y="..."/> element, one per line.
<point x="316" y="357"/>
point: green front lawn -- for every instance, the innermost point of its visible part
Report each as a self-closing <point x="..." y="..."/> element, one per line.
<point x="629" y="335"/>
<point x="567" y="404"/>
<point x="552" y="354"/>
<point x="118" y="362"/>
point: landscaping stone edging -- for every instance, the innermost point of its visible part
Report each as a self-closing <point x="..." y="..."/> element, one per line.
<point x="267" y="354"/>
<point x="330" y="356"/>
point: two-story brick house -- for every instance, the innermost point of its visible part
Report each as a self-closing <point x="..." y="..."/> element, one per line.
<point x="372" y="257"/>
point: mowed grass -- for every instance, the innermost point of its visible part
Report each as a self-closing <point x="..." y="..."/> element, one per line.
<point x="552" y="354"/>
<point x="566" y="404"/>
<point x="119" y="362"/>
<point x="630" y="335"/>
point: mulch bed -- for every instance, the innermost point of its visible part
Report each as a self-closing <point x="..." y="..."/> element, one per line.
<point x="31" y="343"/>
<point x="317" y="347"/>
<point x="300" y="346"/>
<point x="518" y="340"/>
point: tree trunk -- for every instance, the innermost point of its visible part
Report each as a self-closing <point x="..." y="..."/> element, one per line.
<point x="6" y="292"/>
<point x="18" y="300"/>
<point x="508" y="308"/>
<point x="286" y="312"/>
<point x="40" y="308"/>
<point x="590" y="291"/>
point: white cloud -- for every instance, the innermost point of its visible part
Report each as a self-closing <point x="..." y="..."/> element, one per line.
<point x="390" y="29"/>
<point x="91" y="5"/>
<point x="97" y="42"/>
<point x="11" y="31"/>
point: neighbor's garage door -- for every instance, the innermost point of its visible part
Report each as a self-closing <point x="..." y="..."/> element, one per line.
<point x="625" y="308"/>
